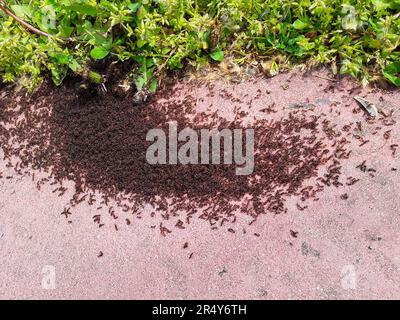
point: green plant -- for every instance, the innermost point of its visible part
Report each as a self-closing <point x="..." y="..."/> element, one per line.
<point x="356" y="37"/>
<point x="392" y="73"/>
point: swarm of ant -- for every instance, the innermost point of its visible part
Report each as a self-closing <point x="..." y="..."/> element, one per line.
<point x="98" y="142"/>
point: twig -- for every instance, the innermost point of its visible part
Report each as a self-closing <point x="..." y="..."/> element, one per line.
<point x="161" y="67"/>
<point x="27" y="25"/>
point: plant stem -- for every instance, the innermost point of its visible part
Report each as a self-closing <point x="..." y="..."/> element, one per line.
<point x="26" y="24"/>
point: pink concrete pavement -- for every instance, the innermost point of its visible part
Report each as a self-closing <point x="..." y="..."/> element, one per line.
<point x="357" y="238"/>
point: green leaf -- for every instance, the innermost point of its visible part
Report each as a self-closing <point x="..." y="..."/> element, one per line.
<point x="62" y="58"/>
<point x="99" y="53"/>
<point x="153" y="86"/>
<point x="74" y="65"/>
<point x="101" y="41"/>
<point x="22" y="11"/>
<point x="58" y="74"/>
<point x="134" y="6"/>
<point x="380" y="5"/>
<point x="140" y="43"/>
<point x="299" y="25"/>
<point x="392" y="73"/>
<point x="84" y="9"/>
<point x="217" y="55"/>
<point x="65" y="31"/>
<point x="140" y="82"/>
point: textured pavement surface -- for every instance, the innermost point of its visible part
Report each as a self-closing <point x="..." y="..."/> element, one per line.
<point x="344" y="249"/>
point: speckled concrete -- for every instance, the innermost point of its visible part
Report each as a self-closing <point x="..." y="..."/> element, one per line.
<point x="345" y="249"/>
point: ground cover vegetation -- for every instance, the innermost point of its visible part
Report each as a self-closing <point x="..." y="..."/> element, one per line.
<point x="39" y="38"/>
